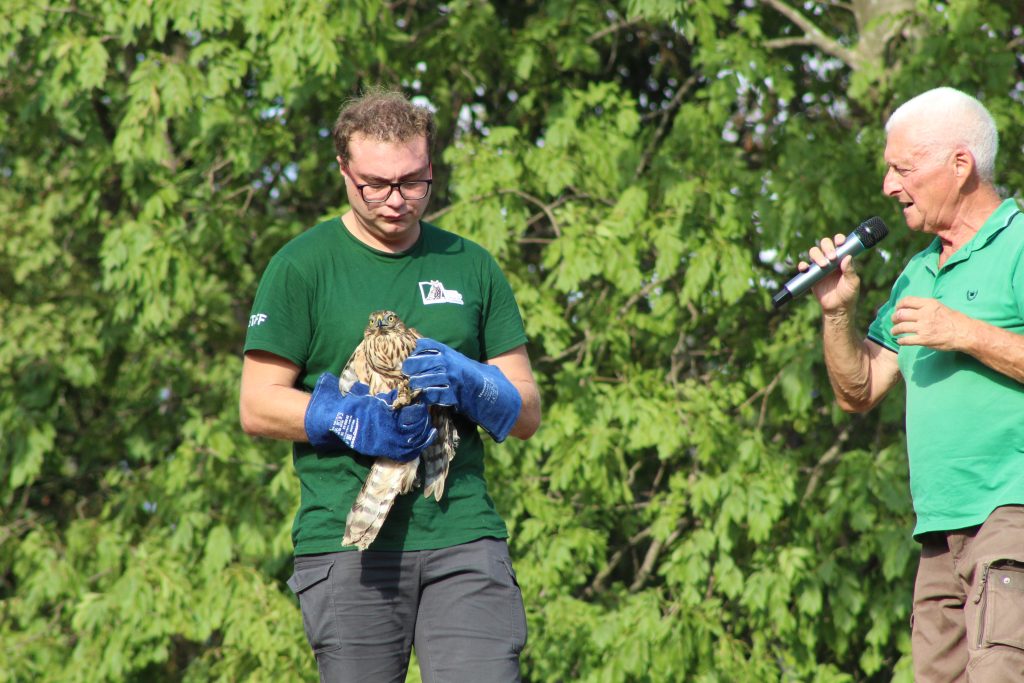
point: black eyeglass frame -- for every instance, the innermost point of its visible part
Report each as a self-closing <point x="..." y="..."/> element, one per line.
<point x="392" y="187"/>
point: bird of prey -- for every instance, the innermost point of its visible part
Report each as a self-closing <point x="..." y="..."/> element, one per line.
<point x="377" y="361"/>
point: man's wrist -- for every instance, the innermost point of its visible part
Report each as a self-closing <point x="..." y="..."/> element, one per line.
<point x="839" y="318"/>
<point x="496" y="404"/>
<point x="321" y="415"/>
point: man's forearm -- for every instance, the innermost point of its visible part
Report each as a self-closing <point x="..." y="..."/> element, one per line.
<point x="529" y="415"/>
<point x="275" y="412"/>
<point x="848" y="363"/>
<point x="998" y="348"/>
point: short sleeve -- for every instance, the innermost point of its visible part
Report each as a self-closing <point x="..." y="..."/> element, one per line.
<point x="880" y="329"/>
<point x="1017" y="281"/>
<point x="280" y="321"/>
<point x="502" y="326"/>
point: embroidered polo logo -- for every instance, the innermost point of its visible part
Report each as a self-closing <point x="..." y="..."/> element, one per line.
<point x="972" y="294"/>
<point x="433" y="292"/>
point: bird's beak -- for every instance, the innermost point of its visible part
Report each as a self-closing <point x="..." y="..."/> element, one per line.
<point x="380" y="323"/>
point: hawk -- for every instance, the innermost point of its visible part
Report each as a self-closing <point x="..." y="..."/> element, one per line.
<point x="377" y="361"/>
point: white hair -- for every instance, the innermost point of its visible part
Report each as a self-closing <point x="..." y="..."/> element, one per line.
<point x="946" y="118"/>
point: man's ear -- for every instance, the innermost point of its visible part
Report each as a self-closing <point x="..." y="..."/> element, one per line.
<point x="963" y="163"/>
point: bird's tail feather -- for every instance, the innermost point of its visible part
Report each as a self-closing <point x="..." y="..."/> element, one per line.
<point x="386" y="481"/>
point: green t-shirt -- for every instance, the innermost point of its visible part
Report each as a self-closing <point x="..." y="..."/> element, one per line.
<point x="311" y="308"/>
<point x="965" y="421"/>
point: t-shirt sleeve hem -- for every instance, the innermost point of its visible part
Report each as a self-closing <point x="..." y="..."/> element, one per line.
<point x="883" y="343"/>
<point x="499" y="349"/>
<point x="275" y="349"/>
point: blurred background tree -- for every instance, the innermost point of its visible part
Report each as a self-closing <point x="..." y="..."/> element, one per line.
<point x="695" y="508"/>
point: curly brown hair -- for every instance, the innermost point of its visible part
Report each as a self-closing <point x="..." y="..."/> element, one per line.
<point x="382" y="114"/>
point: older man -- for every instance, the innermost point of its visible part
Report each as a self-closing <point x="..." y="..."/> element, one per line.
<point x="953" y="329"/>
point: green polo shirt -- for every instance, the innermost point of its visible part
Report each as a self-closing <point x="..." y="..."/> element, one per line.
<point x="965" y="421"/>
<point x="311" y="307"/>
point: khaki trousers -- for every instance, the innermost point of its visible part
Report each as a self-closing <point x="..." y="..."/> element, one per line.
<point x="968" y="619"/>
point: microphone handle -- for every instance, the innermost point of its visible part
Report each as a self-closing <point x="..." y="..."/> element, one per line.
<point x="805" y="280"/>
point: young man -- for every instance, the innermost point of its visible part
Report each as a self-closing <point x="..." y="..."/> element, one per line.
<point x="953" y="328"/>
<point x="438" y="575"/>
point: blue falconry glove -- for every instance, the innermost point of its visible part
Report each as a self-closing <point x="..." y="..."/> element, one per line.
<point x="366" y="423"/>
<point x="477" y="390"/>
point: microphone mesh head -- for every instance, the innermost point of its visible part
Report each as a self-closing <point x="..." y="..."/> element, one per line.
<point x="871" y="231"/>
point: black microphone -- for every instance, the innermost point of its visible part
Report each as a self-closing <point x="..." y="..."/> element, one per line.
<point x="866" y="235"/>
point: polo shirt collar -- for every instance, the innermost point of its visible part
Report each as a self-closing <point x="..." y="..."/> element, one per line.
<point x="995" y="224"/>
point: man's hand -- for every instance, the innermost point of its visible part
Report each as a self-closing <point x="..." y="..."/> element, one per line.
<point x="477" y="390"/>
<point x="837" y="291"/>
<point x="366" y="423"/>
<point x="926" y="322"/>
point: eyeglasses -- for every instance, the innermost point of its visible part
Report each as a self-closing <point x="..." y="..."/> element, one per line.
<point x="378" y="193"/>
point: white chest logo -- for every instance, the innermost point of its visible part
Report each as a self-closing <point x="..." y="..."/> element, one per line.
<point x="433" y="292"/>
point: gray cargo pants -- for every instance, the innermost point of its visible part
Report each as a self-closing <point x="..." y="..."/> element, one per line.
<point x="460" y="607"/>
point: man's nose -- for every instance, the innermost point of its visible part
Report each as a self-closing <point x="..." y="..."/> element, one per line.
<point x="891" y="185"/>
<point x="396" y="199"/>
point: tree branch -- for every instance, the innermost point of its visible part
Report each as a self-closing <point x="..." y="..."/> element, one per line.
<point x="764" y="392"/>
<point x="547" y="209"/>
<point x="782" y="43"/>
<point x="16" y="528"/>
<point x="636" y="296"/>
<point x="612" y="28"/>
<point x="653" y="551"/>
<point x="597" y="585"/>
<point x="666" y="116"/>
<point x="539" y="204"/>
<point x="815" y="36"/>
<point x="830" y="456"/>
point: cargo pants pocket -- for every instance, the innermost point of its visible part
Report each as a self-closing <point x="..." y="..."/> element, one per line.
<point x="518" y="613"/>
<point x="1003" y="620"/>
<point x="312" y="585"/>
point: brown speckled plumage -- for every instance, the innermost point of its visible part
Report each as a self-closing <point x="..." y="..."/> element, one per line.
<point x="377" y="361"/>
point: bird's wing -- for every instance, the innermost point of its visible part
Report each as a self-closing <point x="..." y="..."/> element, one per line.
<point x="437" y="455"/>
<point x="355" y="370"/>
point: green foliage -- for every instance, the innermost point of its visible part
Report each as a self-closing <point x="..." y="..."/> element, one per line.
<point x="694" y="508"/>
